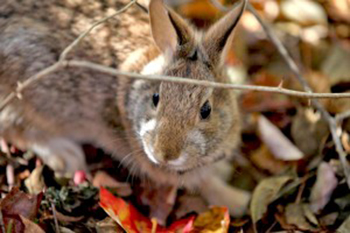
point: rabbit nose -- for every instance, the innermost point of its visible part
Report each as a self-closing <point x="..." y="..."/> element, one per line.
<point x="165" y="157"/>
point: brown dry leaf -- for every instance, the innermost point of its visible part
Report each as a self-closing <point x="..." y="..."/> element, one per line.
<point x="280" y="146"/>
<point x="108" y="225"/>
<point x="308" y="131"/>
<point x="160" y="200"/>
<point x="265" y="193"/>
<point x="336" y="65"/>
<point x="263" y="158"/>
<point x="329" y="219"/>
<point x="344" y="227"/>
<point x="340" y="9"/>
<point x="200" y="10"/>
<point x="188" y="203"/>
<point x="13" y="223"/>
<point x="322" y="190"/>
<point x="103" y="179"/>
<point x="215" y="220"/>
<point x="295" y="214"/>
<point x="19" y="203"/>
<point x="35" y="182"/>
<point x="31" y="227"/>
<point x="345" y="141"/>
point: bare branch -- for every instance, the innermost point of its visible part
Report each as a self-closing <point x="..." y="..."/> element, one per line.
<point x="27" y="82"/>
<point x="183" y="80"/>
<point x="342" y="116"/>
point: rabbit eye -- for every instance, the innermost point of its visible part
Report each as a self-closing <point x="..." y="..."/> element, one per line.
<point x="205" y="110"/>
<point x="155" y="99"/>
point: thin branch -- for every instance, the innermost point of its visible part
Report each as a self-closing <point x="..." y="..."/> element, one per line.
<point x="342" y="116"/>
<point x="183" y="80"/>
<point x="57" y="227"/>
<point x="29" y="81"/>
<point x="105" y="69"/>
<point x="143" y="8"/>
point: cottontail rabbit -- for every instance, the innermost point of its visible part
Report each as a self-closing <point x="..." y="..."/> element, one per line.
<point x="174" y="132"/>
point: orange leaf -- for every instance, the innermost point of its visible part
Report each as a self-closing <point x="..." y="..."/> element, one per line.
<point x="216" y="220"/>
<point x="132" y="221"/>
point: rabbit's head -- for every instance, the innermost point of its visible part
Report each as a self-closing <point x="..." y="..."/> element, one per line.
<point x="182" y="127"/>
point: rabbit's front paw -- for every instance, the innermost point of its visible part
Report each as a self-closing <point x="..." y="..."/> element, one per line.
<point x="62" y="155"/>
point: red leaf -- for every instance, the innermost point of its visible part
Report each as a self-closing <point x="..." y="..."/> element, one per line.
<point x="132" y="221"/>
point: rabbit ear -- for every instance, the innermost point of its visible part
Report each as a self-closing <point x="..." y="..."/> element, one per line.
<point x="170" y="32"/>
<point x="219" y="37"/>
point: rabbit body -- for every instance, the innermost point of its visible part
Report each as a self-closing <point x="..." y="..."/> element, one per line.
<point x="171" y="133"/>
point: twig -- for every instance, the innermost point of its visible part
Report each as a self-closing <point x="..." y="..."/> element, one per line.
<point x="29" y="81"/>
<point x="143" y="8"/>
<point x="57" y="227"/>
<point x="342" y="116"/>
<point x="105" y="69"/>
<point x="183" y="80"/>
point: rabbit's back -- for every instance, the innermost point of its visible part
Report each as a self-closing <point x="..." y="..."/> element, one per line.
<point x="69" y="102"/>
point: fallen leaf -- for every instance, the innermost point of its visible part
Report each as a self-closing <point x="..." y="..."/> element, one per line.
<point x="160" y="199"/>
<point x="17" y="202"/>
<point x="265" y="193"/>
<point x="304" y="12"/>
<point x="322" y="190"/>
<point x="280" y="146"/>
<point x="295" y="215"/>
<point x="264" y="159"/>
<point x="308" y="131"/>
<point x="340" y="9"/>
<point x="329" y="219"/>
<point x="344" y="227"/>
<point x="108" y="225"/>
<point x="65" y="230"/>
<point x="215" y="220"/>
<point x="336" y="65"/>
<point x="189" y="203"/>
<point x="31" y="227"/>
<point x="35" y="182"/>
<point x="132" y="221"/>
<point x="102" y="178"/>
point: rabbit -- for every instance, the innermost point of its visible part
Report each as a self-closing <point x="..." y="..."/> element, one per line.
<point x="173" y="134"/>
